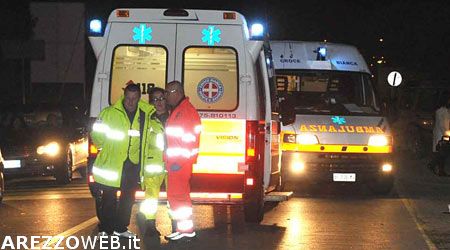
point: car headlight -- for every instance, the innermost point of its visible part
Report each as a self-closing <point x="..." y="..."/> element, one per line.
<point x="446" y="136"/>
<point x="50" y="149"/>
<point x="379" y="140"/>
<point x="307" y="139"/>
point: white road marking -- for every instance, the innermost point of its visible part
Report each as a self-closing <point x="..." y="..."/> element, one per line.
<point x="71" y="231"/>
<point x="413" y="214"/>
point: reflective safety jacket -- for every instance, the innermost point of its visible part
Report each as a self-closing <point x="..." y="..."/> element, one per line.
<point x="153" y="163"/>
<point x="118" y="140"/>
<point x="183" y="129"/>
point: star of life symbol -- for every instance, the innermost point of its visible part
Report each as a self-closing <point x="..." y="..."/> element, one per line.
<point x="142" y="34"/>
<point x="210" y="89"/>
<point x="211" y="35"/>
<point x="338" y="120"/>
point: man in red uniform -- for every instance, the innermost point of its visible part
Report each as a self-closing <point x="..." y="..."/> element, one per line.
<point x="183" y="136"/>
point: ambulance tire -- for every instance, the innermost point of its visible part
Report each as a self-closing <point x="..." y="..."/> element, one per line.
<point x="63" y="172"/>
<point x="254" y="207"/>
<point x="382" y="186"/>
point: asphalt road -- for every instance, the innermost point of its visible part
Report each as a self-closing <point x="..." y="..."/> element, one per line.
<point x="325" y="217"/>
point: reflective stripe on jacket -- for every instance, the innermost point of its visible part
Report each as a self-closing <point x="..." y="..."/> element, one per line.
<point x="183" y="129"/>
<point x="153" y="163"/>
<point x="118" y="139"/>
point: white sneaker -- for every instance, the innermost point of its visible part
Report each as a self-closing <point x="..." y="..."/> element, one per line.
<point x="102" y="234"/>
<point x="170" y="236"/>
<point x="126" y="234"/>
<point x="183" y="236"/>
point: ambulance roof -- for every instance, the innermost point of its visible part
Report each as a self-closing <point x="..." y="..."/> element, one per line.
<point x="193" y="16"/>
<point x="303" y="55"/>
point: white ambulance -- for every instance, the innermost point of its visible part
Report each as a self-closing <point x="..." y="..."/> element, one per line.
<point x="225" y="75"/>
<point x="339" y="134"/>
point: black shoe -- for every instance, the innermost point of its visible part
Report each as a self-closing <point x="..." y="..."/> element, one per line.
<point x="150" y="228"/>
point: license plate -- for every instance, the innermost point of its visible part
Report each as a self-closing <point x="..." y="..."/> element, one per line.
<point x="344" y="177"/>
<point x="11" y="164"/>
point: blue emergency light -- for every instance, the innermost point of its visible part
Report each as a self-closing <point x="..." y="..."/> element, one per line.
<point x="95" y="26"/>
<point x="321" y="53"/>
<point x="257" y="30"/>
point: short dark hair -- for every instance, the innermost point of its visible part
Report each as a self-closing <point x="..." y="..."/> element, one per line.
<point x="132" y="88"/>
<point x="154" y="90"/>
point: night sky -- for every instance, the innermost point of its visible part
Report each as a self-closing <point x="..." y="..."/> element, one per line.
<point x="416" y="34"/>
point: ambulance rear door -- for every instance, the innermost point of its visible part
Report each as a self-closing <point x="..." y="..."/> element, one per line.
<point x="141" y="52"/>
<point x="209" y="59"/>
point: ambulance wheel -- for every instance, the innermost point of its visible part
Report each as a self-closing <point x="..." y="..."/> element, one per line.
<point x="382" y="186"/>
<point x="254" y="206"/>
<point x="63" y="172"/>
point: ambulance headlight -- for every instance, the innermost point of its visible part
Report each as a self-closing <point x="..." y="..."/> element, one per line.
<point x="95" y="26"/>
<point x="256" y="30"/>
<point x="379" y="140"/>
<point x="51" y="149"/>
<point x="307" y="139"/>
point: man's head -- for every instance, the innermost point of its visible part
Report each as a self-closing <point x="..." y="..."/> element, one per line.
<point x="174" y="93"/>
<point x="132" y="95"/>
<point x="157" y="98"/>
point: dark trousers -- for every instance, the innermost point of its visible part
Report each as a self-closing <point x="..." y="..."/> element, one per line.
<point x="113" y="214"/>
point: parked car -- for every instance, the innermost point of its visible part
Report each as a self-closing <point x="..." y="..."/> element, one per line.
<point x="414" y="117"/>
<point x="42" y="140"/>
<point x="2" y="179"/>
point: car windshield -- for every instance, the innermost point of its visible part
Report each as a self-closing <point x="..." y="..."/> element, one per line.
<point x="328" y="92"/>
<point x="19" y="121"/>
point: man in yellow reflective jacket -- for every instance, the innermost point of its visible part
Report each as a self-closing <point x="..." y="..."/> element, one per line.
<point x="121" y="132"/>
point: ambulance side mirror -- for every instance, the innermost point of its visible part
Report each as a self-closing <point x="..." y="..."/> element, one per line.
<point x="287" y="111"/>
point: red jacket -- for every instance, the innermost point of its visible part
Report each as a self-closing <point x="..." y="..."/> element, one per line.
<point x="183" y="135"/>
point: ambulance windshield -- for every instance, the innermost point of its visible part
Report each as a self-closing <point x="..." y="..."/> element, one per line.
<point x="328" y="92"/>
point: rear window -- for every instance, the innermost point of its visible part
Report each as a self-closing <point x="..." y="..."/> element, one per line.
<point x="143" y="65"/>
<point x="210" y="75"/>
